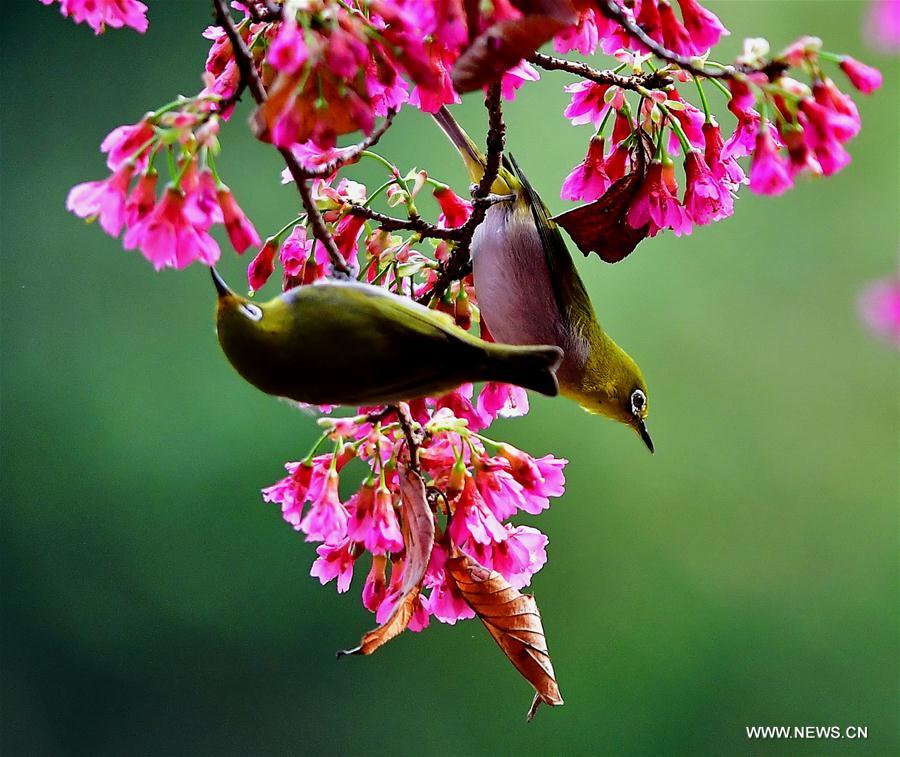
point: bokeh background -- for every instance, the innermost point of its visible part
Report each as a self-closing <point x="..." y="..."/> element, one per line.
<point x="152" y="604"/>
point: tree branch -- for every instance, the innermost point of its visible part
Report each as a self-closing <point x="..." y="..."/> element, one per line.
<point x="613" y="11"/>
<point x="250" y="78"/>
<point x="413" y="439"/>
<point x="655" y="80"/>
<point x="415" y="223"/>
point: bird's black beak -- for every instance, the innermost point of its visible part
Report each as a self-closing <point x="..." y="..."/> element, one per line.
<point x="221" y="287"/>
<point x="644" y="434"/>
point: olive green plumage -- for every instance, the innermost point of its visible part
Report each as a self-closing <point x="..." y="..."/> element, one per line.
<point x="529" y="292"/>
<point x="348" y="343"/>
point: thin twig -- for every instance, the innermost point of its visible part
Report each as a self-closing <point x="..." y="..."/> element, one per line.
<point x="414" y="223"/>
<point x="413" y="439"/>
<point x="250" y="78"/>
<point x="613" y="11"/>
<point x="352" y="155"/>
<point x="654" y="80"/>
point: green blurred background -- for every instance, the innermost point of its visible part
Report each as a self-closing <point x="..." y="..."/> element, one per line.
<point x="152" y="604"/>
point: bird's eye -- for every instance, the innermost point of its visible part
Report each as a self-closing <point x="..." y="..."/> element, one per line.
<point x="253" y="312"/>
<point x="638" y="401"/>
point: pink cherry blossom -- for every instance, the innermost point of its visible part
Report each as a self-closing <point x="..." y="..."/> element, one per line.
<point x="241" y="231"/>
<point x="288" y="51"/>
<point x="98" y="14"/>
<point x="459" y="402"/>
<point x="515" y="77"/>
<point x="474" y="519"/>
<point x="334" y="561"/>
<point x="373" y="521"/>
<point x="497" y="487"/>
<point x="879" y="306"/>
<point x="375" y="588"/>
<point x="540" y="478"/>
<point x="588" y="180"/>
<point x="674" y="34"/>
<point x="142" y="198"/>
<point x="865" y="78"/>
<point x="104" y="200"/>
<point x="588" y="104"/>
<point x="263" y="265"/>
<point x="703" y="26"/>
<point x="168" y="238"/>
<point x="326" y="519"/>
<point x="725" y="169"/>
<point x="769" y="173"/>
<point x="656" y="204"/>
<point x="584" y="36"/>
<point x="124" y="144"/>
<point x="706" y="199"/>
<point x="454" y="210"/>
<point x="502" y="401"/>
<point x="304" y="481"/>
<point x="517" y="557"/>
<point x="882" y="25"/>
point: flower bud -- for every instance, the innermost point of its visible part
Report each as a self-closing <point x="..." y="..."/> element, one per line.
<point x="262" y="265"/>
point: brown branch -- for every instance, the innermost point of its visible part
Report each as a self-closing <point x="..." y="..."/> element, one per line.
<point x="413" y="439"/>
<point x="654" y="80"/>
<point x="250" y="78"/>
<point x="460" y="264"/>
<point x="352" y="155"/>
<point x="414" y="223"/>
<point x="613" y="11"/>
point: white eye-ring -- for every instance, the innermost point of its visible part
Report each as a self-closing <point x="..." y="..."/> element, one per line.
<point x="638" y="401"/>
<point x="253" y="312"/>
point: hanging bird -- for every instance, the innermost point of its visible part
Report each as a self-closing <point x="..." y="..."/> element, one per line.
<point x="348" y="343"/>
<point x="529" y="292"/>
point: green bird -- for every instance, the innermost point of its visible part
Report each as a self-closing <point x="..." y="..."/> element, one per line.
<point x="529" y="292"/>
<point x="348" y="343"/>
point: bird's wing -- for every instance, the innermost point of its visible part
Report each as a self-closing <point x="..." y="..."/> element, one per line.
<point x="399" y="309"/>
<point x="572" y="298"/>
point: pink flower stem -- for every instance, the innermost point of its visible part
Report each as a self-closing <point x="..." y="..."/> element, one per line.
<point x="703" y="99"/>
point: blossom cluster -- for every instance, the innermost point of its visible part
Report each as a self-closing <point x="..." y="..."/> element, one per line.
<point x="170" y="227"/>
<point x="478" y="484"/>
<point x="788" y="128"/>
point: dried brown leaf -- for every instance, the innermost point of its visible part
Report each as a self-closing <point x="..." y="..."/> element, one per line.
<point x="504" y="44"/>
<point x="418" y="540"/>
<point x="601" y="226"/>
<point x="499" y="48"/>
<point x="514" y="622"/>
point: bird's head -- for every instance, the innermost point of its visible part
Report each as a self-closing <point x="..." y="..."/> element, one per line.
<point x="253" y="337"/>
<point x="614" y="387"/>
<point x="236" y="312"/>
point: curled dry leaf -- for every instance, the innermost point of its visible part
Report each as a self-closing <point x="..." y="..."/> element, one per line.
<point x="514" y="622"/>
<point x="504" y="44"/>
<point x="418" y="540"/>
<point x="601" y="226"/>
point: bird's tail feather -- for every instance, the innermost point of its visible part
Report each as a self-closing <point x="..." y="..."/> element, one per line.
<point x="529" y="366"/>
<point x="471" y="155"/>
